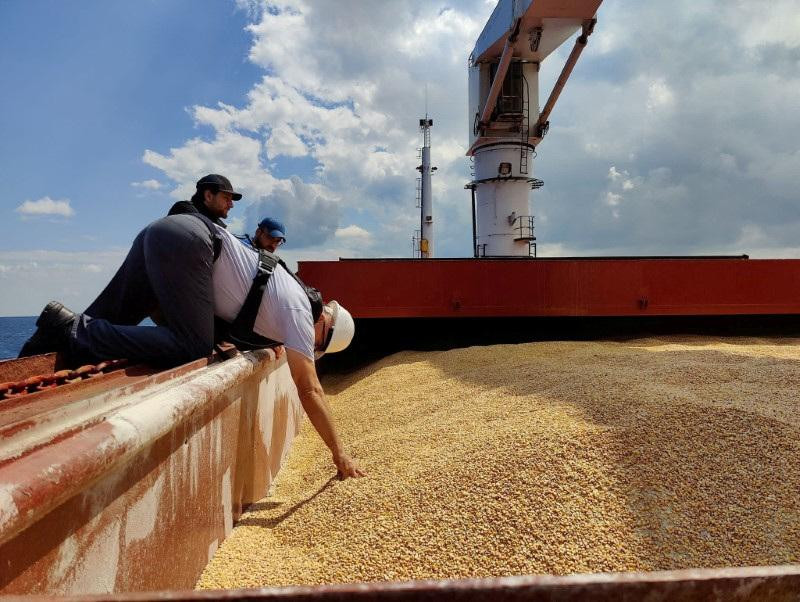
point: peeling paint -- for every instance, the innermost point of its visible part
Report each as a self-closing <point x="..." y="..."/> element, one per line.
<point x="266" y="410"/>
<point x="66" y="558"/>
<point x="141" y="518"/>
<point x="158" y="469"/>
<point x="96" y="572"/>
<point x="195" y="445"/>
<point x="174" y="478"/>
<point x="96" y="498"/>
<point x="280" y="417"/>
<point x="227" y="506"/>
<point x="156" y="414"/>
<point x="217" y="443"/>
<point x="8" y="507"/>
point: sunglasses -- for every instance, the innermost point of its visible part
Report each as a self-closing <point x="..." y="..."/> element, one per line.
<point x="318" y="353"/>
<point x="271" y="238"/>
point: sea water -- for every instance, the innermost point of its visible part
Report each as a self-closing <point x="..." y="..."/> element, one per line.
<point x="15" y="331"/>
<point x="13" y="334"/>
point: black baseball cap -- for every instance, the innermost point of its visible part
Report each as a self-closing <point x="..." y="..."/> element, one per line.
<point x="219" y="184"/>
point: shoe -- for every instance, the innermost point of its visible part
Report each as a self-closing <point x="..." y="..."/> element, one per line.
<point x="52" y="332"/>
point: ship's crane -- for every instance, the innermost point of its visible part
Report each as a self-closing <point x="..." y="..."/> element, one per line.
<point x="506" y="124"/>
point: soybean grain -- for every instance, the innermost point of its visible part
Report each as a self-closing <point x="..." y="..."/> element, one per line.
<point x="556" y="457"/>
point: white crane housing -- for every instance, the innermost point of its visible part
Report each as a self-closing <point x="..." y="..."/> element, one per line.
<point x="506" y="123"/>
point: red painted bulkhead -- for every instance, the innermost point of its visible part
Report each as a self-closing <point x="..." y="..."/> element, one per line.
<point x="438" y="288"/>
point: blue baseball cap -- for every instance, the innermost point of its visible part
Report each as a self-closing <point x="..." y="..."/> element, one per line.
<point x="272" y="227"/>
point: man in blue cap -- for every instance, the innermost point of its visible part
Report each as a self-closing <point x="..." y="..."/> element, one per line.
<point x="270" y="234"/>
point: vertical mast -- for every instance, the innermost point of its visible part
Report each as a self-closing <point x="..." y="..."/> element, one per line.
<point x="422" y="241"/>
<point x="426" y="205"/>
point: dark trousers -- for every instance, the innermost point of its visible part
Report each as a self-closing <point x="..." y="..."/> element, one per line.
<point x="168" y="270"/>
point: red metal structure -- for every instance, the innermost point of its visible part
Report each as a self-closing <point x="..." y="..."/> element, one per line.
<point x="128" y="480"/>
<point x="750" y="584"/>
<point x="568" y="287"/>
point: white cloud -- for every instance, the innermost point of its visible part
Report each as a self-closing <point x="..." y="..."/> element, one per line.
<point x="310" y="212"/>
<point x="615" y="175"/>
<point x="659" y="96"/>
<point x="756" y="25"/>
<point x="148" y="184"/>
<point x="346" y="94"/>
<point x="230" y="153"/>
<point x="46" y="207"/>
<point x="667" y="107"/>
<point x="252" y="7"/>
<point x="621" y="180"/>
<point x="283" y="141"/>
<point x="236" y="225"/>
<point x="354" y="234"/>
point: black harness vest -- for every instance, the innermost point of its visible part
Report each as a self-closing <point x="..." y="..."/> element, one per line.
<point x="240" y="331"/>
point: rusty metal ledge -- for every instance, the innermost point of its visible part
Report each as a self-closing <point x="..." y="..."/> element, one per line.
<point x="37" y="482"/>
<point x="772" y="583"/>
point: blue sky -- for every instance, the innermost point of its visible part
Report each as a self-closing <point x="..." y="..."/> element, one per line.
<point x="90" y="85"/>
<point x="677" y="133"/>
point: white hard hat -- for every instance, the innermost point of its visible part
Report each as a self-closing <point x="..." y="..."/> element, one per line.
<point x="342" y="329"/>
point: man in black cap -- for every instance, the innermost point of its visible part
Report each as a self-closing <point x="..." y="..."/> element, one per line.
<point x="166" y="275"/>
<point x="214" y="198"/>
<point x="171" y="267"/>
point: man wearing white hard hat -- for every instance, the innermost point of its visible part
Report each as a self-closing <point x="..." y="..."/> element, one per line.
<point x="283" y="311"/>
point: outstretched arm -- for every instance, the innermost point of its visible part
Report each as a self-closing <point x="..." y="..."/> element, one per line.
<point x="312" y="396"/>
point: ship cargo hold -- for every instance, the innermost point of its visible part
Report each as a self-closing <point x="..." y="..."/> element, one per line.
<point x="557" y="391"/>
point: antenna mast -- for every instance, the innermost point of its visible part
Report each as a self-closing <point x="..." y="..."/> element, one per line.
<point x="424" y="248"/>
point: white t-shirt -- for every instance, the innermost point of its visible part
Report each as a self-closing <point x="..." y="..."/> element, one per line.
<point x="285" y="312"/>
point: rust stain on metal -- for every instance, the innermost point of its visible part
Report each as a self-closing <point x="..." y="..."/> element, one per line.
<point x="156" y="482"/>
<point x="128" y="380"/>
<point x="43" y="382"/>
<point x="16" y="369"/>
<point x="748" y="584"/>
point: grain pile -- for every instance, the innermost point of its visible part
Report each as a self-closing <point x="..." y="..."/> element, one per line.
<point x="540" y="458"/>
